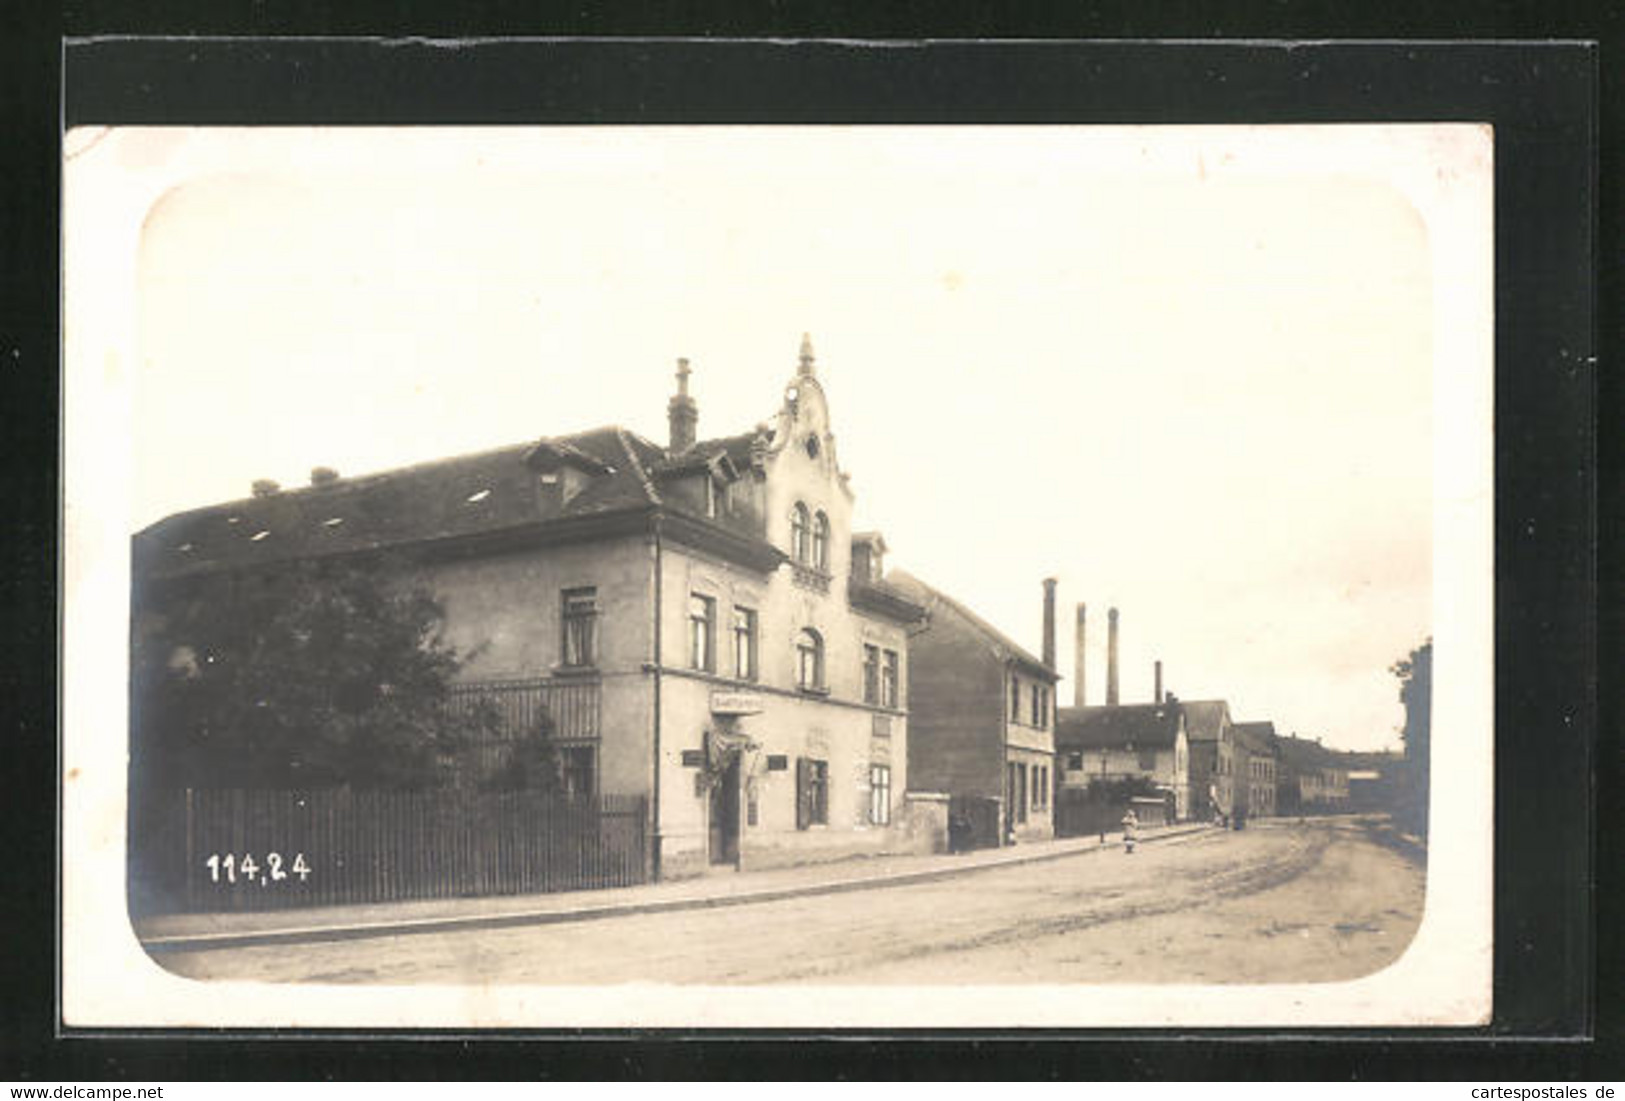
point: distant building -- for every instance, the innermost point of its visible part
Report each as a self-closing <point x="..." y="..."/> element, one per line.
<point x="1257" y="741"/>
<point x="1146" y="741"/>
<point x="1310" y="779"/>
<point x="696" y="620"/>
<point x="1212" y="752"/>
<point x="982" y="718"/>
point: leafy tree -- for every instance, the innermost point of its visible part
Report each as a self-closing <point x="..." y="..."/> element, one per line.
<point x="317" y="675"/>
<point x="1415" y="673"/>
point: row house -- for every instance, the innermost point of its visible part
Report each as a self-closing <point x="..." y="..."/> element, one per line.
<point x="697" y="619"/>
<point x="982" y="718"/>
<point x="1257" y="740"/>
<point x="1310" y="778"/>
<point x="1145" y="741"/>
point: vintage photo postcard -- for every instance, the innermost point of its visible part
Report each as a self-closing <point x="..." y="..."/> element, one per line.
<point x="778" y="577"/>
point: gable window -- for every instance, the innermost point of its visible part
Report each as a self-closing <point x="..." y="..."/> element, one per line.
<point x="871" y="674"/>
<point x="1015" y="699"/>
<point x="812" y="792"/>
<point x="820" y="542"/>
<point x="580" y="627"/>
<point x="880" y="795"/>
<point x="809" y="660"/>
<point x="800" y="533"/>
<point x="889" y="680"/>
<point x="702" y="632"/>
<point x="745" y="643"/>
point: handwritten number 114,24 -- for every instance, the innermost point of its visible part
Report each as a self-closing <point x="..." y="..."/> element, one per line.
<point x="228" y="868"/>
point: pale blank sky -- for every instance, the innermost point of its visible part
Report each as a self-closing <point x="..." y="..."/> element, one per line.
<point x="1186" y="371"/>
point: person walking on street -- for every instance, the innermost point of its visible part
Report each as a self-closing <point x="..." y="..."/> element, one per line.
<point x="1131" y="830"/>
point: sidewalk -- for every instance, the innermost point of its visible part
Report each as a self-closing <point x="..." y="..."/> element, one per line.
<point x="198" y="932"/>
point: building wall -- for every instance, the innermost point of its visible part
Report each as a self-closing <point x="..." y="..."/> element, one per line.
<point x="1203" y="766"/>
<point x="955" y="717"/>
<point x="506" y="613"/>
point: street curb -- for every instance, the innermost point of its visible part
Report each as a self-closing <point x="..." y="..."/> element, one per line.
<point x="202" y="942"/>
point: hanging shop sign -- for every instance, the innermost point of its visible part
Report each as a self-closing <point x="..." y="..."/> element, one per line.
<point x="735" y="703"/>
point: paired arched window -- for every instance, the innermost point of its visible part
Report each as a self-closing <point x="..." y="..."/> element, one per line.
<point x="809" y="659"/>
<point x="809" y="537"/>
<point x="820" y="542"/>
<point x="800" y="532"/>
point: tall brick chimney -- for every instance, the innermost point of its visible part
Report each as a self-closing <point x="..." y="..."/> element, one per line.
<point x="1111" y="657"/>
<point x="682" y="412"/>
<point x="1156" y="692"/>
<point x="1049" y="622"/>
<point x="1078" y="664"/>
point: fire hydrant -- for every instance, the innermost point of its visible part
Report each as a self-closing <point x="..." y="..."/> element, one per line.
<point x="1131" y="830"/>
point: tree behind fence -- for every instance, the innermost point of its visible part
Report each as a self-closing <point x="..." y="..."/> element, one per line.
<point x="340" y="846"/>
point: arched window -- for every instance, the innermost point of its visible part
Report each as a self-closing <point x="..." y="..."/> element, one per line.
<point x="820" y="542"/>
<point x="799" y="525"/>
<point x="809" y="659"/>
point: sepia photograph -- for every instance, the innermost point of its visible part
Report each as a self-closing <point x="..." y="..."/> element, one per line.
<point x="778" y="576"/>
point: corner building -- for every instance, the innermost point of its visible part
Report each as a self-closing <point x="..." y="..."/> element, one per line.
<point x="697" y="622"/>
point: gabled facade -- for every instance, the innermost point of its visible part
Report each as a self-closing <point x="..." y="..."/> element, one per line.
<point x="698" y="621"/>
<point x="1148" y="741"/>
<point x="982" y="717"/>
<point x="1212" y="758"/>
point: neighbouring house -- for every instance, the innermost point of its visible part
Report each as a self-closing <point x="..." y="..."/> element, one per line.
<point x="696" y="620"/>
<point x="1212" y="750"/>
<point x="1257" y="741"/>
<point x="1310" y="778"/>
<point x="1146" y="741"/>
<point x="981" y="718"/>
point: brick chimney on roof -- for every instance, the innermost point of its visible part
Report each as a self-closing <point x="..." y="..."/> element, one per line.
<point x="1049" y="622"/>
<point x="682" y="412"/>
<point x="1156" y="692"/>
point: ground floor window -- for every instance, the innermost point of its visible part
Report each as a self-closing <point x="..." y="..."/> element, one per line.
<point x="880" y="795"/>
<point x="578" y="768"/>
<point x="812" y="792"/>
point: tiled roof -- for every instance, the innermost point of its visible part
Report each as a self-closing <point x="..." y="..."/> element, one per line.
<point x="1205" y="719"/>
<point x="1302" y="754"/>
<point x="476" y="494"/>
<point x="932" y="599"/>
<point x="1139" y="725"/>
<point x="740" y="450"/>
<point x="1257" y="737"/>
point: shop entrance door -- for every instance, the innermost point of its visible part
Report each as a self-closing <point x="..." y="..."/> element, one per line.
<point x="724" y="847"/>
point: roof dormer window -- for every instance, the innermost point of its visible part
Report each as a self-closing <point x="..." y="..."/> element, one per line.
<point x="476" y="498"/>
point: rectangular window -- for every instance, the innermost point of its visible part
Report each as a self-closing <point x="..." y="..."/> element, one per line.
<point x="871" y="674"/>
<point x="880" y="795"/>
<point x="578" y="768"/>
<point x="580" y="627"/>
<point x="702" y="626"/>
<point x="1074" y="762"/>
<point x="745" y="643"/>
<point x="1037" y="719"/>
<point x="1148" y="760"/>
<point x="889" y="680"/>
<point x="812" y="792"/>
<point x="1015" y="699"/>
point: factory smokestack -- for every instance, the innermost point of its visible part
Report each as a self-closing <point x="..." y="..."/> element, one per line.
<point x="1111" y="657"/>
<point x="1049" y="622"/>
<point x="1156" y="692"/>
<point x="1078" y="699"/>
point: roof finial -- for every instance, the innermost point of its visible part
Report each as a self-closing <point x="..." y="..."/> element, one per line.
<point x="682" y="377"/>
<point x="806" y="355"/>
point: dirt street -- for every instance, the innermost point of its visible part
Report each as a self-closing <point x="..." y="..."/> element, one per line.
<point x="1280" y="902"/>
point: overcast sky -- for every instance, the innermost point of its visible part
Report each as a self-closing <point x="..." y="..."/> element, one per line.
<point x="1188" y="372"/>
